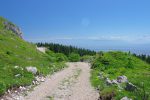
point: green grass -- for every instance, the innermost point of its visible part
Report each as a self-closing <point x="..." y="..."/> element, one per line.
<point x="14" y="51"/>
<point x="114" y="64"/>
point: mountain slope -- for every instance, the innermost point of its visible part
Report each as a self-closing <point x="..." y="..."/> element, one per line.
<point x="16" y="54"/>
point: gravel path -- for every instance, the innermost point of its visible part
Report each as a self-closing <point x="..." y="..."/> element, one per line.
<point x="71" y="83"/>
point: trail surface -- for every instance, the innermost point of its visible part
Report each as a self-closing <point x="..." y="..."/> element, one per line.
<point x="72" y="83"/>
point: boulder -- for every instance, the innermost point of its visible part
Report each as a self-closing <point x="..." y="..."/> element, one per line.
<point x="15" y="29"/>
<point x="42" y="49"/>
<point x="32" y="69"/>
<point x="130" y="87"/>
<point x="122" y="79"/>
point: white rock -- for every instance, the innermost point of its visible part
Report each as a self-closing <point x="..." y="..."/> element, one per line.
<point x="42" y="49"/>
<point x="8" y="91"/>
<point x="37" y="78"/>
<point x="16" y="67"/>
<point x="108" y="81"/>
<point x="17" y="75"/>
<point x="114" y="82"/>
<point x="33" y="82"/>
<point x="22" y="88"/>
<point x="122" y="79"/>
<point x="32" y="69"/>
<point x="37" y="83"/>
<point x="125" y="98"/>
<point x="42" y="79"/>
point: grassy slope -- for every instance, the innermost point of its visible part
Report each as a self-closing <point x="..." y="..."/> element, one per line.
<point x="115" y="64"/>
<point x="17" y="52"/>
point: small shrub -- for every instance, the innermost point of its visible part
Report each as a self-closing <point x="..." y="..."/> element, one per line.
<point x="61" y="57"/>
<point x="74" y="57"/>
<point x="87" y="58"/>
<point x="8" y="53"/>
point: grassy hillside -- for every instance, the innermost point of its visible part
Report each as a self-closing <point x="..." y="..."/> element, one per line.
<point x="110" y="65"/>
<point x="14" y="51"/>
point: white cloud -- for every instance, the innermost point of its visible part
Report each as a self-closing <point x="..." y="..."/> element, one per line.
<point x="139" y="39"/>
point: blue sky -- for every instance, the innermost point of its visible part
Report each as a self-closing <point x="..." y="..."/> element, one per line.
<point x="97" y="24"/>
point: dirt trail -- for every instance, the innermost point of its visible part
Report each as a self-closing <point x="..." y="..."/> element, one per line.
<point x="72" y="83"/>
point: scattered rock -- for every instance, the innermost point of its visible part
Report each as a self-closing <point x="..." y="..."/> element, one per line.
<point x="8" y="91"/>
<point x="39" y="79"/>
<point x="43" y="79"/>
<point x="20" y="92"/>
<point x="130" y="87"/>
<point x="122" y="79"/>
<point x="16" y="93"/>
<point x="16" y="67"/>
<point x="108" y="81"/>
<point x="22" y="88"/>
<point x="35" y="82"/>
<point x="125" y="98"/>
<point x="32" y="69"/>
<point x="17" y="75"/>
<point x="100" y="75"/>
<point x="114" y="82"/>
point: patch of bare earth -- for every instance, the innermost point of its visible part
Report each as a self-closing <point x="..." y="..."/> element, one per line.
<point x="72" y="83"/>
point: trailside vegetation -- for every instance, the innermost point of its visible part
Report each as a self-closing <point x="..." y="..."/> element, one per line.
<point x="109" y="67"/>
<point x="74" y="57"/>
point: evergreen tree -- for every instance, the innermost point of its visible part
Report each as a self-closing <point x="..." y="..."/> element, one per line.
<point x="67" y="50"/>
